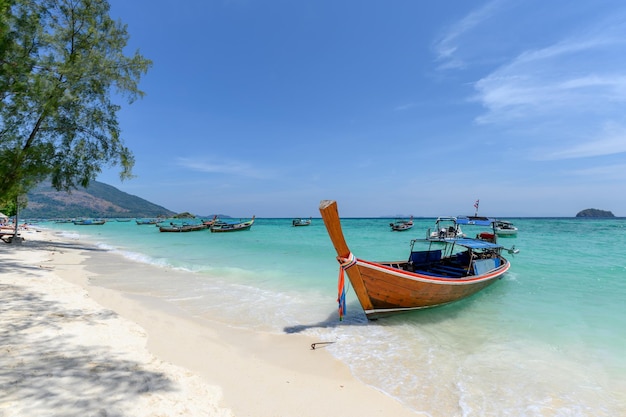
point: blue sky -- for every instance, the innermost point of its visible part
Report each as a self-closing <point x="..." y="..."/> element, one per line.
<point x="395" y="107"/>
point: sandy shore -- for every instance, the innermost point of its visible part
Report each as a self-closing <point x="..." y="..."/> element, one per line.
<point x="69" y="348"/>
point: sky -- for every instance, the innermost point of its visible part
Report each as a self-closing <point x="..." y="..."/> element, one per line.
<point x="390" y="108"/>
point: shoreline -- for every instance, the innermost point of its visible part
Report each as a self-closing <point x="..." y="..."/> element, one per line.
<point x="207" y="367"/>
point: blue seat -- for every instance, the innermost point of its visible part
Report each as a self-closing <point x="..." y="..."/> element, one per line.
<point x="425" y="257"/>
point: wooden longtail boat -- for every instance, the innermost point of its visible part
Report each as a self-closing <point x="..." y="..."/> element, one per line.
<point x="209" y="223"/>
<point x="401" y="225"/>
<point x="219" y="227"/>
<point x="89" y="222"/>
<point x="428" y="278"/>
<point x="141" y="222"/>
<point x="182" y="228"/>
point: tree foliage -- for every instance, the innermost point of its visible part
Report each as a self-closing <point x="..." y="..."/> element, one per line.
<point x="61" y="62"/>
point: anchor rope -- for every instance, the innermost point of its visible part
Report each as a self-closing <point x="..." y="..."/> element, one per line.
<point x="314" y="345"/>
<point x="344" y="263"/>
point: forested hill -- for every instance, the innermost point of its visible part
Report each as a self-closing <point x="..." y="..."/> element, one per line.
<point x="97" y="200"/>
<point x="591" y="212"/>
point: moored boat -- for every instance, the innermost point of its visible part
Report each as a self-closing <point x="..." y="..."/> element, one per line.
<point x="89" y="222"/>
<point x="143" y="222"/>
<point x="220" y="227"/>
<point x="401" y="225"/>
<point x="209" y="223"/>
<point x="504" y="228"/>
<point x="182" y="227"/>
<point x="428" y="278"/>
<point x="301" y="222"/>
<point x="446" y="228"/>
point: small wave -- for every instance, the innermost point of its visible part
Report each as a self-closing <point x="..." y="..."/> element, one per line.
<point x="69" y="235"/>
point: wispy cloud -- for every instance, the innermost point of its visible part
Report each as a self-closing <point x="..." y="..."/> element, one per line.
<point x="446" y="47"/>
<point x="231" y="167"/>
<point x="574" y="75"/>
<point x="404" y="107"/>
<point x="611" y="141"/>
<point x="571" y="93"/>
<point x="603" y="173"/>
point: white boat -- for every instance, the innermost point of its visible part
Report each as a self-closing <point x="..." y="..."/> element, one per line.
<point x="504" y="228"/>
<point x="301" y="222"/>
<point x="446" y="228"/>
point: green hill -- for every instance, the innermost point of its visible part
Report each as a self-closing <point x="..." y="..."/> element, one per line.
<point x="97" y="200"/>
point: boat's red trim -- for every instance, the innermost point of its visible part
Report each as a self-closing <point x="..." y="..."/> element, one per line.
<point x="435" y="280"/>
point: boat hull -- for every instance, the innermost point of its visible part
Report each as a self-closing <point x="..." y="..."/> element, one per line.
<point x="90" y="222"/>
<point x="181" y="229"/>
<point x="218" y="229"/>
<point x="401" y="228"/>
<point x="232" y="227"/>
<point x="299" y="223"/>
<point x="387" y="290"/>
<point x="506" y="232"/>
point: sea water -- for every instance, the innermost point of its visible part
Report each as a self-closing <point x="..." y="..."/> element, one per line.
<point x="548" y="339"/>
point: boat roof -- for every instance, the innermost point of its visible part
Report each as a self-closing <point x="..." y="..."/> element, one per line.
<point x="465" y="242"/>
<point x="477" y="221"/>
<point x="475" y="243"/>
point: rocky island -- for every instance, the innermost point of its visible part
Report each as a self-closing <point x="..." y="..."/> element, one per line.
<point x="594" y="213"/>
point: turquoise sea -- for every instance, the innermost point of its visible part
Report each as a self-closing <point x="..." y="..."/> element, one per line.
<point x="549" y="339"/>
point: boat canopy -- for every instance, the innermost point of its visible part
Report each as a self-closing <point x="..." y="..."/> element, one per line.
<point x="462" y="241"/>
<point x="481" y="221"/>
<point x="476" y="244"/>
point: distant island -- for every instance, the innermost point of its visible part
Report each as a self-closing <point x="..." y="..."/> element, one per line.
<point x="594" y="213"/>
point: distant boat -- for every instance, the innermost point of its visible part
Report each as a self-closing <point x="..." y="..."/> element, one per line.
<point x="141" y="222"/>
<point x="220" y="227"/>
<point x="401" y="225"/>
<point x="301" y="222"/>
<point x="428" y="278"/>
<point x="209" y="223"/>
<point x="177" y="228"/>
<point x="123" y="220"/>
<point x="504" y="228"/>
<point x="446" y="228"/>
<point x="89" y="222"/>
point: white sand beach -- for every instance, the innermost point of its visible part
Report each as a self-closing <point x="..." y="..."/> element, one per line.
<point x="72" y="349"/>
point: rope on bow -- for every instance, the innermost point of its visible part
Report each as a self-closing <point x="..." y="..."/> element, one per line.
<point x="344" y="263"/>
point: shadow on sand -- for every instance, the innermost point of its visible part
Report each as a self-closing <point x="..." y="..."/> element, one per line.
<point x="44" y="369"/>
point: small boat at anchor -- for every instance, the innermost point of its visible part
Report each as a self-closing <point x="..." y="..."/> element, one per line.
<point x="428" y="278"/>
<point x="300" y="222"/>
<point x="401" y="225"/>
<point x="185" y="227"/>
<point x="446" y="228"/>
<point x="144" y="222"/>
<point x="504" y="228"/>
<point x="89" y="222"/>
<point x="209" y="223"/>
<point x="221" y="227"/>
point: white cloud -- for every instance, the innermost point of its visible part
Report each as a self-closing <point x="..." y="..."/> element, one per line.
<point x="604" y="173"/>
<point x="611" y="141"/>
<point x="583" y="73"/>
<point x="403" y="107"/>
<point x="565" y="100"/>
<point x="229" y="167"/>
<point x="446" y="47"/>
